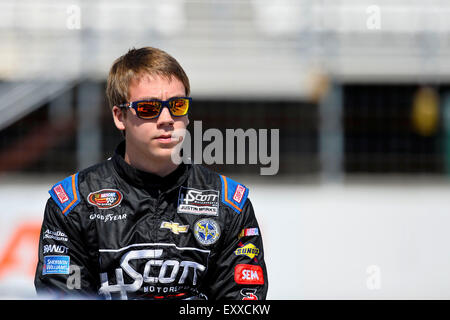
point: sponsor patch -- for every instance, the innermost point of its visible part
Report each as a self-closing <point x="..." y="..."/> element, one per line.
<point x="198" y="202"/>
<point x="55" y="235"/>
<point x="60" y="193"/>
<point x="53" y="248"/>
<point x="174" y="227"/>
<point x="248" y="232"/>
<point x="249" y="294"/>
<point x="108" y="217"/>
<point x="56" y="265"/>
<point x="249" y="250"/>
<point x="105" y="198"/>
<point x="248" y="274"/>
<point x="207" y="231"/>
<point x="239" y="193"/>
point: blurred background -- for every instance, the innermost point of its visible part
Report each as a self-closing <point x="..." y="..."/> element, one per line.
<point x="360" y="91"/>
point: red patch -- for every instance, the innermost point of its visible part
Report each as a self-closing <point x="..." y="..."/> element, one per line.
<point x="60" y="193"/>
<point x="239" y="193"/>
<point x="248" y="274"/>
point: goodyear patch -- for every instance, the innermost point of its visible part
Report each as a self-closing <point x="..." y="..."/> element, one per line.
<point x="65" y="193"/>
<point x="249" y="250"/>
<point x="105" y="198"/>
<point x="207" y="231"/>
<point x="56" y="265"/>
<point x="233" y="194"/>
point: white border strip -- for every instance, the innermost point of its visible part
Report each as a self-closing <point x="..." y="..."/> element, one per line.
<point x="153" y="244"/>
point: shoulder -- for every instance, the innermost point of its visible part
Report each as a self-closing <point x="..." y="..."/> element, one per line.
<point x="68" y="192"/>
<point x="232" y="194"/>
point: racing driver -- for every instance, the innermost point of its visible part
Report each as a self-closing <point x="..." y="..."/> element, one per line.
<point x="140" y="226"/>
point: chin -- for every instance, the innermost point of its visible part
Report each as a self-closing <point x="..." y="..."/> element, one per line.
<point x="163" y="153"/>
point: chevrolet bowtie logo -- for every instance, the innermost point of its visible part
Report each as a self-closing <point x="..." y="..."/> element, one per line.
<point x="174" y="227"/>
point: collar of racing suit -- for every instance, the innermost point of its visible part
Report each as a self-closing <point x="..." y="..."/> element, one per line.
<point x="147" y="180"/>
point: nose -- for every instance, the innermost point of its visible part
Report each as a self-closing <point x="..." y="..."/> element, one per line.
<point x="165" y="118"/>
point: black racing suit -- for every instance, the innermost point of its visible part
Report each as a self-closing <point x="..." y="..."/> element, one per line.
<point x="114" y="232"/>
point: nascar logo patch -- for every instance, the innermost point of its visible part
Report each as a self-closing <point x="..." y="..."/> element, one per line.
<point x="248" y="232"/>
<point x="105" y="198"/>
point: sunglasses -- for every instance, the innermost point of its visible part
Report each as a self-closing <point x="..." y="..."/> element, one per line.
<point x="151" y="109"/>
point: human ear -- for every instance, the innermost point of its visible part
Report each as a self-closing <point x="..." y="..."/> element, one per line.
<point x="119" y="118"/>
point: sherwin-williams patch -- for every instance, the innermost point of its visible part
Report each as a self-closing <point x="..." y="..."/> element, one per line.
<point x="56" y="265"/>
<point x="105" y="198"/>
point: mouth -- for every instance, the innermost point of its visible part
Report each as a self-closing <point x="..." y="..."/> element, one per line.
<point x="164" y="138"/>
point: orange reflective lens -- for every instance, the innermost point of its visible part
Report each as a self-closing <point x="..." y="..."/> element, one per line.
<point x="148" y="109"/>
<point x="179" y="107"/>
<point x="151" y="109"/>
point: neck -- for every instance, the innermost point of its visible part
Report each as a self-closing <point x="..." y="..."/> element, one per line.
<point x="160" y="167"/>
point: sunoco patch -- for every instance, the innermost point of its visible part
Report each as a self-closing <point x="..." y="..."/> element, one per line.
<point x="198" y="202"/>
<point x="105" y="198"/>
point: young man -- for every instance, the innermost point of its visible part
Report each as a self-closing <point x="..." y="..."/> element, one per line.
<point x="139" y="226"/>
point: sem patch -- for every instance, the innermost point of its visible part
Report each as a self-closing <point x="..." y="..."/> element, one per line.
<point x="248" y="274"/>
<point x="207" y="231"/>
<point x="56" y="265"/>
<point x="198" y="202"/>
<point x="105" y="198"/>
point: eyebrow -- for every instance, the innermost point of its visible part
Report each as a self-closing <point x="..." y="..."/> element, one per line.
<point x="157" y="98"/>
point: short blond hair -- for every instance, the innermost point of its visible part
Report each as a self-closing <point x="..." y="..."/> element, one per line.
<point x="137" y="63"/>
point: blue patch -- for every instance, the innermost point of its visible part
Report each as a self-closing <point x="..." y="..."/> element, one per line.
<point x="234" y="194"/>
<point x="56" y="265"/>
<point x="66" y="194"/>
<point x="207" y="231"/>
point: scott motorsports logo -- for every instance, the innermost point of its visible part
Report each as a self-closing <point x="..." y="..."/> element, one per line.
<point x="199" y="202"/>
<point x="147" y="270"/>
